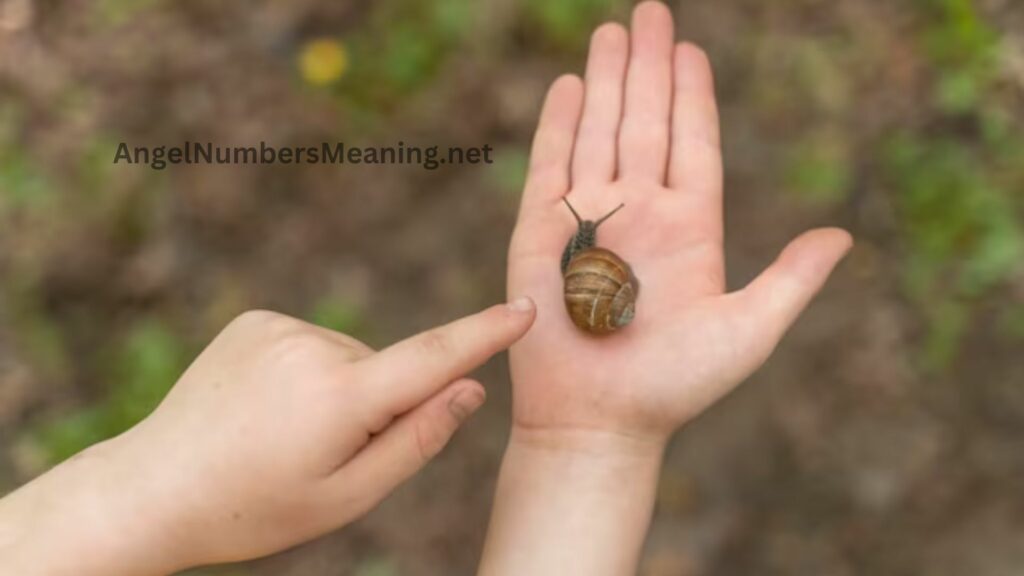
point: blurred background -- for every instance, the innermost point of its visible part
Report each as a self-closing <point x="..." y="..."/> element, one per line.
<point x="885" y="437"/>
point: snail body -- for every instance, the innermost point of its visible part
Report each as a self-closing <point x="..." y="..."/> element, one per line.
<point x="600" y="288"/>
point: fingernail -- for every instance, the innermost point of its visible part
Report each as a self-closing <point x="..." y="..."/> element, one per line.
<point x="521" y="304"/>
<point x="465" y="403"/>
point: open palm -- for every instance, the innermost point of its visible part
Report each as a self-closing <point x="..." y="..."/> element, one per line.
<point x="643" y="130"/>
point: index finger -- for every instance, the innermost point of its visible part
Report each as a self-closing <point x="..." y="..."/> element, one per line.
<point x="551" y="154"/>
<point x="540" y="226"/>
<point x="405" y="374"/>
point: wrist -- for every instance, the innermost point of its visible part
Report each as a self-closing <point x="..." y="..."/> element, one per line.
<point x="88" y="515"/>
<point x="588" y="444"/>
<point x="572" y="502"/>
<point x="592" y="460"/>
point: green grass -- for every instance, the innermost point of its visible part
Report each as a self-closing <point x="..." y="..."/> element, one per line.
<point x="1011" y="322"/>
<point x="113" y="13"/>
<point x="963" y="48"/>
<point x="962" y="230"/>
<point x="23" y="185"/>
<point x="567" y="24"/>
<point x="400" y="50"/>
<point x="958" y="193"/>
<point x="338" y="314"/>
<point x="142" y="366"/>
<point x="377" y="566"/>
<point x="508" y="172"/>
<point x="38" y="336"/>
<point x="819" y="169"/>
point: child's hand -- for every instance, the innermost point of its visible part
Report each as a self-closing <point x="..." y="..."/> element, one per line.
<point x="280" y="431"/>
<point x="592" y="414"/>
<point x="647" y="137"/>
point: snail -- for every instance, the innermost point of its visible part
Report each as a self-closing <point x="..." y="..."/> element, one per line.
<point x="600" y="288"/>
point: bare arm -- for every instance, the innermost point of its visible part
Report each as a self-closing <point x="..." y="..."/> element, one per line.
<point x="279" y="432"/>
<point x="567" y="507"/>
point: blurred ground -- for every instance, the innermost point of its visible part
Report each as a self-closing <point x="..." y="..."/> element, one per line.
<point x="884" y="437"/>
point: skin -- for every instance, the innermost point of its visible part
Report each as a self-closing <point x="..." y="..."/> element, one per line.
<point x="280" y="431"/>
<point x="592" y="415"/>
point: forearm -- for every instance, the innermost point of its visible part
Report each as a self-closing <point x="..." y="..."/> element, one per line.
<point x="576" y="504"/>
<point x="81" y="519"/>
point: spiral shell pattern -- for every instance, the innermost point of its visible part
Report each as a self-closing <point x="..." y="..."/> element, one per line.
<point x="600" y="291"/>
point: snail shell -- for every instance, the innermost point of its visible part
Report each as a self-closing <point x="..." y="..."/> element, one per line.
<point x="600" y="291"/>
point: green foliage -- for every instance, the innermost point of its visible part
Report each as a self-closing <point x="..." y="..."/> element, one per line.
<point x="958" y="37"/>
<point x="147" y="362"/>
<point x="952" y="210"/>
<point x="40" y="338"/>
<point x="22" y="185"/>
<point x="568" y="23"/>
<point x="144" y="364"/>
<point x="808" y="78"/>
<point x="339" y="315"/>
<point x="819" y="72"/>
<point x="377" y="566"/>
<point x="997" y="130"/>
<point x="409" y="57"/>
<point x="508" y="172"/>
<point x="402" y="49"/>
<point x="819" y="168"/>
<point x="95" y="167"/>
<point x="963" y="48"/>
<point x="114" y="13"/>
<point x="61" y="439"/>
<point x="452" y="19"/>
<point x="127" y="211"/>
<point x="958" y="196"/>
<point x="1011" y="323"/>
<point x="963" y="233"/>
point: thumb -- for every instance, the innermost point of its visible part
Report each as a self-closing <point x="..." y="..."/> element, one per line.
<point x="774" y="300"/>
<point x="409" y="443"/>
<point x="405" y="374"/>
